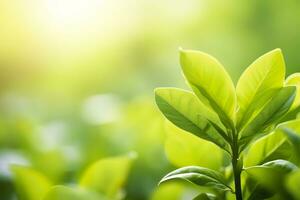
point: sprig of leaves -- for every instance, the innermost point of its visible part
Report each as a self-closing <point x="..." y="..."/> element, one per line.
<point x="233" y="118"/>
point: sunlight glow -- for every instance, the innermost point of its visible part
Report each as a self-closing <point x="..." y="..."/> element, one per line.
<point x="73" y="13"/>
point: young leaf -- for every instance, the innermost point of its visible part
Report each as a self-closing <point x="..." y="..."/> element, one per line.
<point x="184" y="149"/>
<point x="270" y="113"/>
<point x="66" y="193"/>
<point x="199" y="176"/>
<point x="293" y="183"/>
<point x="270" y="147"/>
<point x="256" y="83"/>
<point x="184" y="110"/>
<point x="30" y="184"/>
<point x="108" y="175"/>
<point x="294" y="80"/>
<point x="211" y="83"/>
<point x="271" y="174"/>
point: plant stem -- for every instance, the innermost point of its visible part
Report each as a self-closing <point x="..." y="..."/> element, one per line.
<point x="237" y="169"/>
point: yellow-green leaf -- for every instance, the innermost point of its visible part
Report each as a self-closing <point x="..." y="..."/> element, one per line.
<point x="65" y="193"/>
<point x="184" y="110"/>
<point x="270" y="113"/>
<point x="272" y="174"/>
<point x="174" y="191"/>
<point x="30" y="184"/>
<point x="257" y="84"/>
<point x="211" y="83"/>
<point x="294" y="80"/>
<point x="107" y="175"/>
<point x="199" y="176"/>
<point x="183" y="149"/>
<point x="292" y="130"/>
<point x="270" y="147"/>
<point x="293" y="183"/>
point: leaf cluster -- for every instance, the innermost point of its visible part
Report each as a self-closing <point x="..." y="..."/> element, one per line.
<point x="252" y="123"/>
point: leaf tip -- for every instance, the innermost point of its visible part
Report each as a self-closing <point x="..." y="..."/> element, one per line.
<point x="276" y="51"/>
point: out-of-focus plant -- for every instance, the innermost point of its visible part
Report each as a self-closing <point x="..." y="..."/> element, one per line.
<point x="103" y="179"/>
<point x="248" y="122"/>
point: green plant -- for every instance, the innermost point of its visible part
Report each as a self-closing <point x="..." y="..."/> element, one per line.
<point x="245" y="121"/>
<point x="102" y="180"/>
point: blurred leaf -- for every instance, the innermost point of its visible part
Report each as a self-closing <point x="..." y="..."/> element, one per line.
<point x="271" y="174"/>
<point x="204" y="196"/>
<point x="272" y="111"/>
<point x="270" y="147"/>
<point x="293" y="183"/>
<point x="184" y="149"/>
<point x="256" y="83"/>
<point x="108" y="175"/>
<point x="172" y="191"/>
<point x="294" y="80"/>
<point x="184" y="110"/>
<point x="30" y="184"/>
<point x="292" y="131"/>
<point x="211" y="83"/>
<point x="199" y="176"/>
<point x="66" y="193"/>
<point x="256" y="190"/>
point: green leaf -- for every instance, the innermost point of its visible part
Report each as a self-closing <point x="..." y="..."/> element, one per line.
<point x="184" y="110"/>
<point x="256" y="191"/>
<point x="30" y="184"/>
<point x="292" y="130"/>
<point x="107" y="175"/>
<point x="269" y="114"/>
<point x="293" y="183"/>
<point x="257" y="84"/>
<point x="66" y="193"/>
<point x="183" y="149"/>
<point x="211" y="83"/>
<point x="199" y="176"/>
<point x="271" y="174"/>
<point x="294" y="80"/>
<point x="174" y="191"/>
<point x="204" y="196"/>
<point x="270" y="147"/>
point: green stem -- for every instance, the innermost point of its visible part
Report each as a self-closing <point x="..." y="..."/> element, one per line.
<point x="236" y="169"/>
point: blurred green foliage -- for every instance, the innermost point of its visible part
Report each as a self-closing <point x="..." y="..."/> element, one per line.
<point x="77" y="79"/>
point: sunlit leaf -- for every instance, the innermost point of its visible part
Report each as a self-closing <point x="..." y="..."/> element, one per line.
<point x="270" y="113"/>
<point x="184" y="149"/>
<point x="199" y="176"/>
<point x="107" y="176"/>
<point x="271" y="174"/>
<point x="30" y="184"/>
<point x="184" y="110"/>
<point x="257" y="84"/>
<point x="204" y="196"/>
<point x="66" y="193"/>
<point x="211" y="83"/>
<point x="292" y="130"/>
<point x="256" y="190"/>
<point x="294" y="80"/>
<point x="293" y="183"/>
<point x="270" y="147"/>
<point x="174" y="191"/>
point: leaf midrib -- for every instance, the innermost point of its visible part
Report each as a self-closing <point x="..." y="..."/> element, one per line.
<point x="184" y="116"/>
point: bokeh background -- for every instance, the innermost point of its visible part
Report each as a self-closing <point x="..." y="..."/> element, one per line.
<point x="77" y="76"/>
